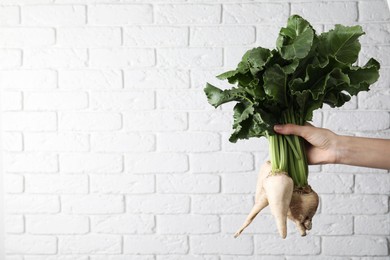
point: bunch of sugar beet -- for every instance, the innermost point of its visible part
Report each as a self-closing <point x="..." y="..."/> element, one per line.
<point x="286" y="85"/>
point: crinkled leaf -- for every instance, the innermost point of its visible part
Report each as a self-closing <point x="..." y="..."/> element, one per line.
<point x="341" y="43"/>
<point x="295" y="40"/>
<point x="227" y="74"/>
<point x="362" y="77"/>
<point x="275" y="84"/>
<point x="217" y="97"/>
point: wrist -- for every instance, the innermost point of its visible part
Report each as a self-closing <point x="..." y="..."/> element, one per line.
<point x="341" y="149"/>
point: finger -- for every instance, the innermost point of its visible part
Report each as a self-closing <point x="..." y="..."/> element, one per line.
<point x="291" y="129"/>
<point x="259" y="206"/>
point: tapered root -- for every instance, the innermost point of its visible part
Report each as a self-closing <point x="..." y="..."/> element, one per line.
<point x="259" y="206"/>
<point x="279" y="189"/>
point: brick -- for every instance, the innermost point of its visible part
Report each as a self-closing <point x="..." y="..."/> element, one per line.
<point x="155" y="244"/>
<point x="55" y="257"/>
<point x="372" y="183"/>
<point x="375" y="99"/>
<point x="89" y="37"/>
<point x="13" y="183"/>
<point x="11" y="100"/>
<point x="331" y="183"/>
<point x="187" y="14"/>
<point x="122" y="142"/>
<point x="89" y="121"/>
<point x="182" y="99"/>
<point x="201" y="183"/>
<point x="157" y="204"/>
<point x="91" y="163"/>
<point x="66" y="142"/>
<point x="189" y="57"/>
<point x="157" y="79"/>
<point x="221" y="162"/>
<point x="293" y="245"/>
<point x="188" y="142"/>
<point x="31" y="162"/>
<point x="92" y="204"/>
<point x="379" y="32"/>
<point x="56" y="224"/>
<point x="221" y="244"/>
<point x="121" y="58"/>
<point x="28" y="244"/>
<point x="373" y="11"/>
<point x="155" y="121"/>
<point x="239" y="183"/>
<point x="123" y="224"/>
<point x="221" y="204"/>
<point x="10" y="59"/>
<point x="122" y="257"/>
<point x="13" y="224"/>
<point x="263" y="223"/>
<point x="26" y="37"/>
<point x="358" y="245"/>
<point x="31" y="203"/>
<point x="354" y="204"/>
<point x="187" y="257"/>
<point x="199" y="77"/>
<point x="372" y="225"/>
<point x="90" y="79"/>
<point x="340" y="168"/>
<point x="90" y="244"/>
<point x="255" y="13"/>
<point x="153" y="36"/>
<point x="55" y="100"/>
<point x="29" y="121"/>
<point x="187" y="224"/>
<point x="53" y="15"/>
<point x="327" y="12"/>
<point x="319" y="257"/>
<point x="245" y="145"/>
<point x="233" y="55"/>
<point x="331" y="225"/>
<point x="62" y="184"/>
<point x="162" y="162"/>
<point x="125" y="184"/>
<point x="9" y="15"/>
<point x="122" y="100"/>
<point x="379" y="52"/>
<point x="28" y="79"/>
<point x="267" y="34"/>
<point x="359" y="120"/>
<point x="258" y="257"/>
<point x="222" y="36"/>
<point x="120" y="14"/>
<point x="55" y="58"/>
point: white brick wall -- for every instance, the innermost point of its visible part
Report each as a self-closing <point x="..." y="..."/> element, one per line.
<point x="111" y="151"/>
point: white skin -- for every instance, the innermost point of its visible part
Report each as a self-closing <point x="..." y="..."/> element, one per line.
<point x="325" y="147"/>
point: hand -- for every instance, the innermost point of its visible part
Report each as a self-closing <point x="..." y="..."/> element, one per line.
<point x="321" y="143"/>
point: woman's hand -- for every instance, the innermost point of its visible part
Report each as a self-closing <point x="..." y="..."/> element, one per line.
<point x="321" y="143"/>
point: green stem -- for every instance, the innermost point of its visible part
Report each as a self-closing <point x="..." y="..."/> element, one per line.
<point x="288" y="153"/>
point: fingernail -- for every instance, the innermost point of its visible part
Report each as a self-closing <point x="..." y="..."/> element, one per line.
<point x="278" y="127"/>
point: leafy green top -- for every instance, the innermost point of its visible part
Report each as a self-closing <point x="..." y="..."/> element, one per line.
<point x="305" y="71"/>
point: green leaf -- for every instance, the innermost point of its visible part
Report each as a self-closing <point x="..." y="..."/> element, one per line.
<point x="341" y="43"/>
<point x="217" y="97"/>
<point x="362" y="77"/>
<point x="295" y="40"/>
<point x="227" y="74"/>
<point x="275" y="84"/>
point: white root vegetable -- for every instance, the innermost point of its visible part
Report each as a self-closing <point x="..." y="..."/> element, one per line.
<point x="274" y="190"/>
